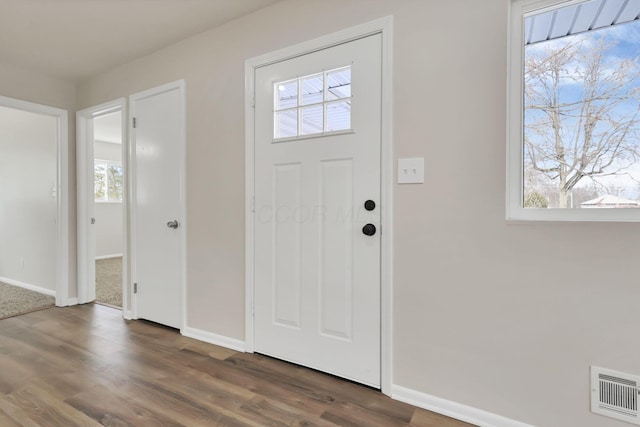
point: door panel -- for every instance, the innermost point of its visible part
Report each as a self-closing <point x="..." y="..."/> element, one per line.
<point x="336" y="243"/>
<point x="158" y="144"/>
<point x="286" y="248"/>
<point x="317" y="276"/>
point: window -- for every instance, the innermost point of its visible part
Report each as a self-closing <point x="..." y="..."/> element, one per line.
<point x="313" y="105"/>
<point x="574" y="111"/>
<point x="107" y="181"/>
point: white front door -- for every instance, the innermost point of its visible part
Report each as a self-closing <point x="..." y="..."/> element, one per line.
<point x="317" y="210"/>
<point x="157" y="144"/>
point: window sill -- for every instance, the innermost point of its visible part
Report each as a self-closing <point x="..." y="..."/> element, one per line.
<point x="531" y="215"/>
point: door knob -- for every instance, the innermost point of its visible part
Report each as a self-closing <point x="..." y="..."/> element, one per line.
<point x="369" y="229"/>
<point x="173" y="224"/>
<point x="369" y="205"/>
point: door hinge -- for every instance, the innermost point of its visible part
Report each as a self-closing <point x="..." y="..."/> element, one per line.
<point x="134" y="122"/>
<point x="135" y="288"/>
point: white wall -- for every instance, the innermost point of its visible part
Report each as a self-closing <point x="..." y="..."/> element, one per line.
<point x="30" y="86"/>
<point x="28" y="206"/>
<point x="108" y="214"/>
<point x="502" y="317"/>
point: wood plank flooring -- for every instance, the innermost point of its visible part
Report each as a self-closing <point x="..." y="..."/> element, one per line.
<point x="86" y="366"/>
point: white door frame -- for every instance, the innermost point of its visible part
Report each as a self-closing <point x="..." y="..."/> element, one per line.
<point x="180" y="85"/>
<point x="62" y="189"/>
<point x="84" y="169"/>
<point x="382" y="26"/>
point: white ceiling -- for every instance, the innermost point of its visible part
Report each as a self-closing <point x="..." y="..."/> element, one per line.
<point x="75" y="39"/>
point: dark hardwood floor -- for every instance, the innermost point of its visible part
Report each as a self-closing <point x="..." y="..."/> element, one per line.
<point x="86" y="366"/>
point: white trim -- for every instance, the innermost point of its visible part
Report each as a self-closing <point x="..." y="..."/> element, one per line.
<point x="127" y="288"/>
<point x="181" y="86"/>
<point x="249" y="201"/>
<point x="215" y="339"/>
<point x="84" y="128"/>
<point x="62" y="288"/>
<point x="62" y="187"/>
<point x="183" y="197"/>
<point x="131" y="198"/>
<point x="382" y="26"/>
<point x="452" y="409"/>
<point x="72" y="301"/>
<point x="515" y="212"/>
<point x="108" y="256"/>
<point x="28" y="286"/>
<point x="85" y="197"/>
<point x="386" y="194"/>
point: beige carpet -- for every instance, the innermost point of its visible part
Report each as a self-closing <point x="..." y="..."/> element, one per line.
<point x="109" y="281"/>
<point x="15" y="301"/>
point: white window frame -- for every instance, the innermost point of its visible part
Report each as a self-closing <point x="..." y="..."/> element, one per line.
<point x="107" y="163"/>
<point x="515" y="211"/>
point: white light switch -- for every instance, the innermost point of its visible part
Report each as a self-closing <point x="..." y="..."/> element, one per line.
<point x="411" y="170"/>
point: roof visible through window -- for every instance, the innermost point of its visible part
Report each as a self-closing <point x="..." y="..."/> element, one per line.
<point x="578" y="18"/>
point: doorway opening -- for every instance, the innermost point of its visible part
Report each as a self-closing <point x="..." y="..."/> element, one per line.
<point x="108" y="184"/>
<point x="102" y="205"/>
<point x="33" y="198"/>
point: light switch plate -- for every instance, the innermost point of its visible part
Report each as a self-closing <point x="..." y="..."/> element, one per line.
<point x="411" y="170"/>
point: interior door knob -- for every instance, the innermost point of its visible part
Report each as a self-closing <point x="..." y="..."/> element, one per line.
<point x="173" y="224"/>
<point x="369" y="230"/>
<point x="369" y="205"/>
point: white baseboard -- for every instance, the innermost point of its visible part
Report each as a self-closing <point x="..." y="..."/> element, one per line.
<point x="67" y="303"/>
<point x="452" y="409"/>
<point x="108" y="256"/>
<point x="127" y="314"/>
<point x="211" y="338"/>
<point x="28" y="286"/>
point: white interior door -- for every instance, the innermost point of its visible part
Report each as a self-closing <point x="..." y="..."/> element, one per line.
<point x="317" y="210"/>
<point x="158" y="203"/>
<point x="86" y="208"/>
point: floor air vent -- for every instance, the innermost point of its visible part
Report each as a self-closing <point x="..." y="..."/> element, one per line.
<point x="615" y="394"/>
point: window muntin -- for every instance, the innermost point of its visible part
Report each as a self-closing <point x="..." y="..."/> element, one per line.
<point x="313" y="105"/>
<point x="108" y="181"/>
<point x="554" y="173"/>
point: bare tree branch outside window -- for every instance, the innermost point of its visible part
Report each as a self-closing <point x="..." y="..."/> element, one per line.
<point x="581" y="120"/>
